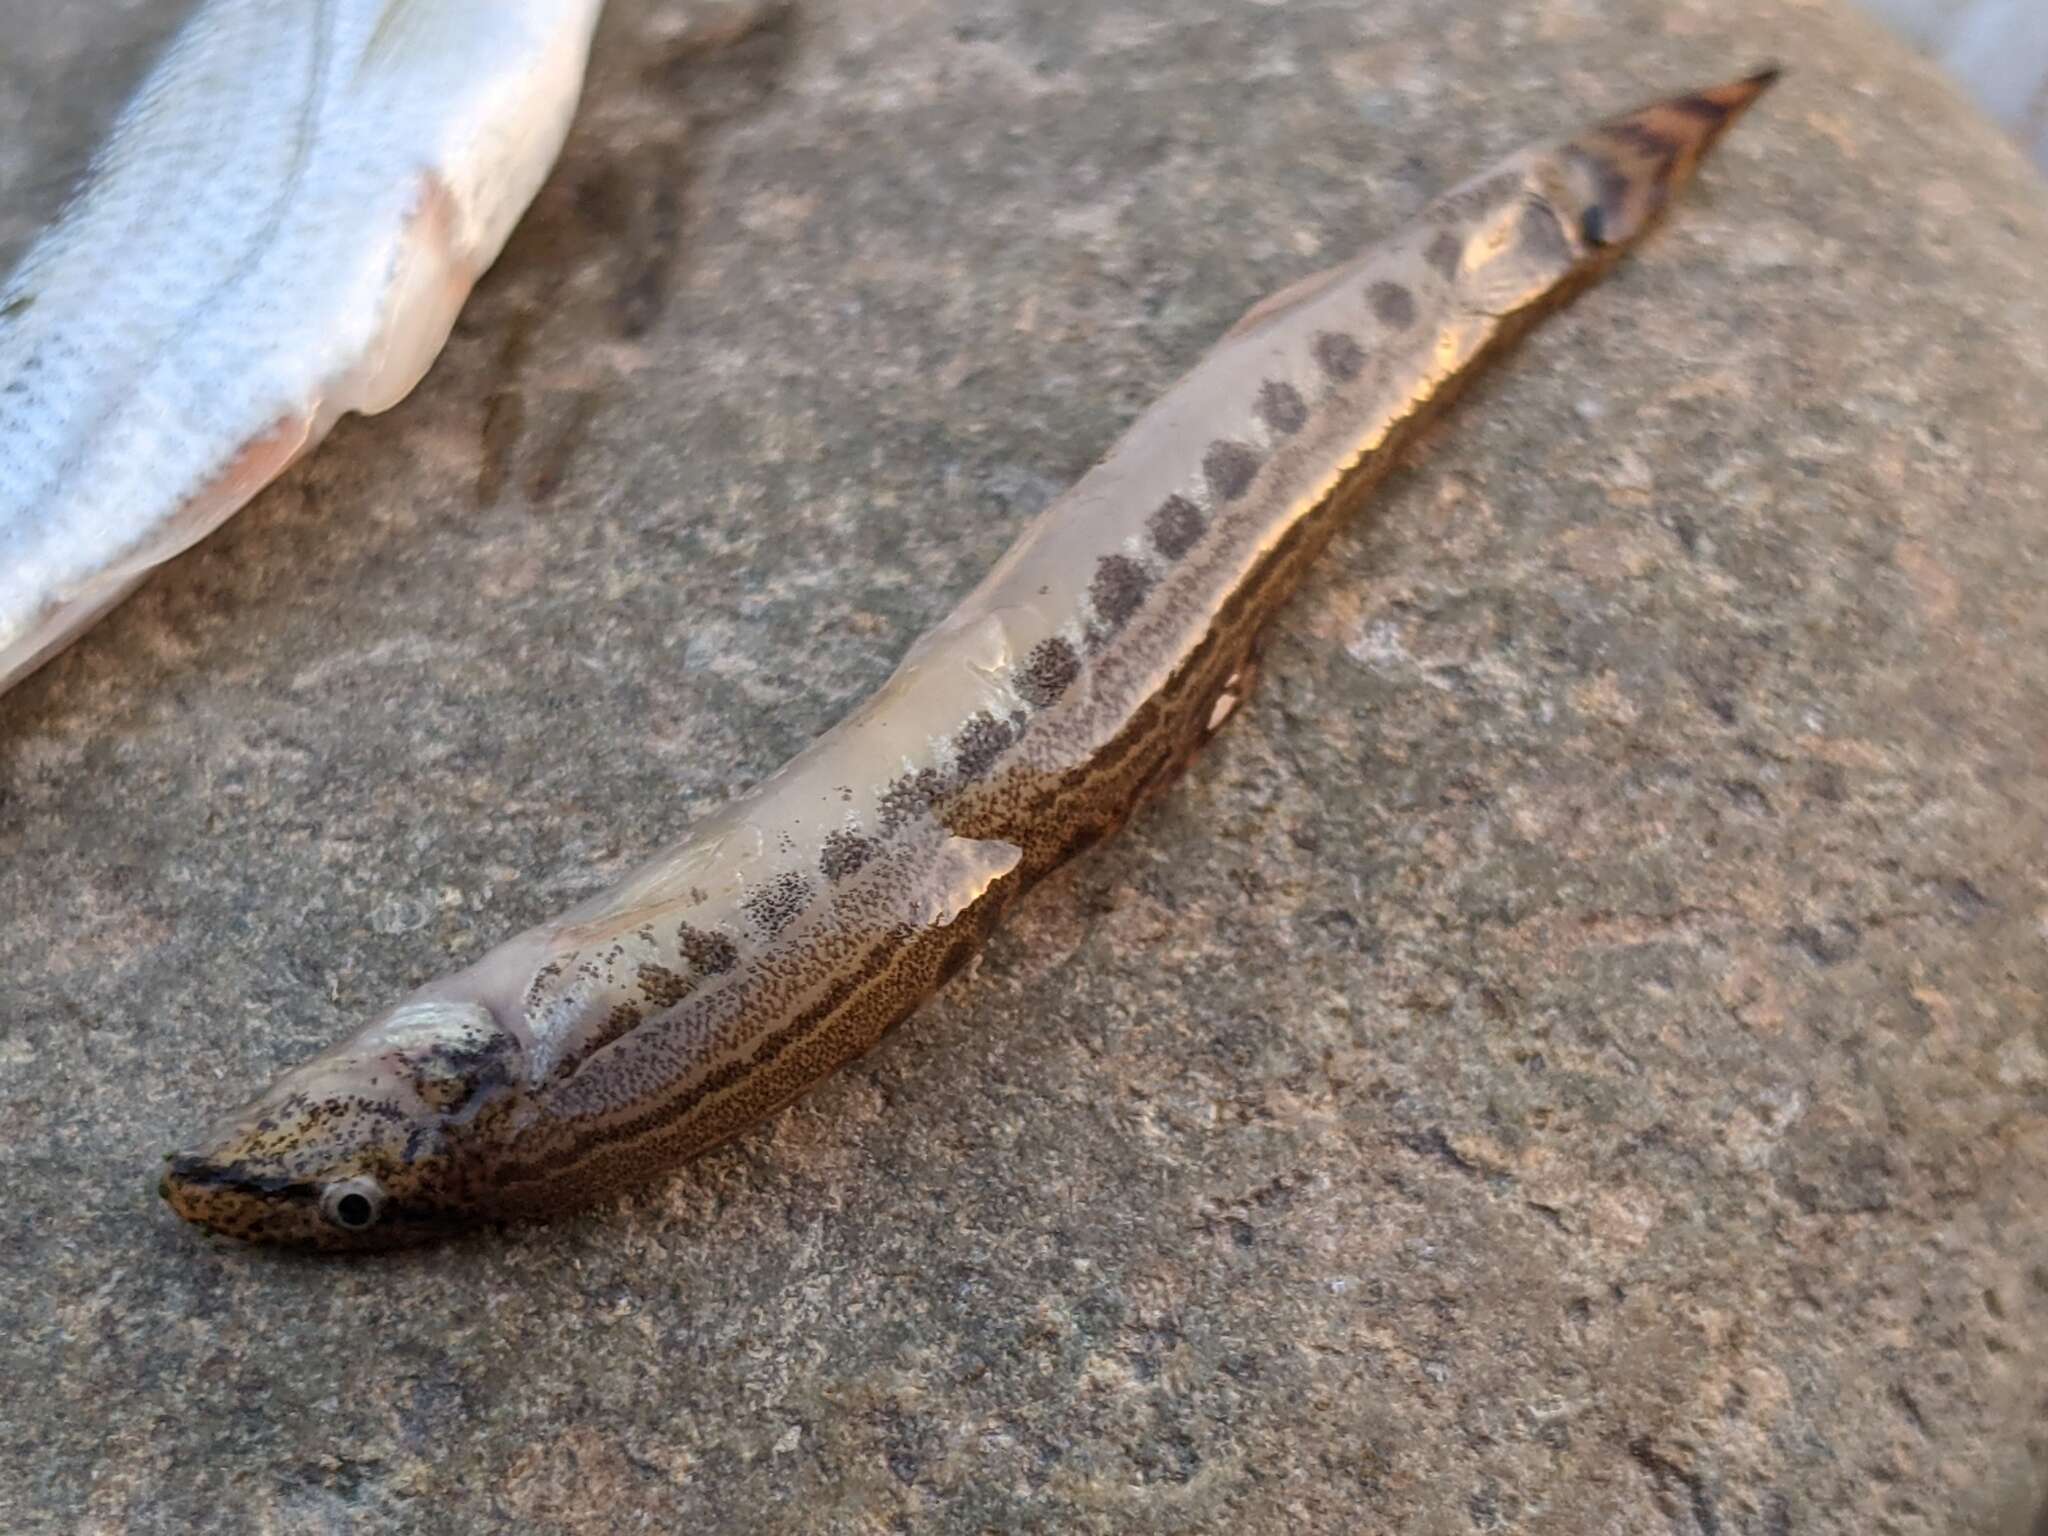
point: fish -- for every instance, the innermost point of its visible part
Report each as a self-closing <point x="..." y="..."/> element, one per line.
<point x="784" y="935"/>
<point x="279" y="230"/>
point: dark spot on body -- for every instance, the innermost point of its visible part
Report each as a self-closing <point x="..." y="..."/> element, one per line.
<point x="844" y="853"/>
<point x="662" y="987"/>
<point x="1175" y="527"/>
<point x="1281" y="407"/>
<point x="1230" y="468"/>
<point x="709" y="954"/>
<point x="1052" y="666"/>
<point x="1118" y="589"/>
<point x="775" y="905"/>
<point x="981" y="741"/>
<point x="20" y="304"/>
<point x="1393" y="304"/>
<point x="1339" y="356"/>
<point x="1444" y="254"/>
<point x="910" y="796"/>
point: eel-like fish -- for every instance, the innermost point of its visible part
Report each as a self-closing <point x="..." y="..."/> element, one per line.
<point x="783" y="936"/>
<point x="279" y="230"/>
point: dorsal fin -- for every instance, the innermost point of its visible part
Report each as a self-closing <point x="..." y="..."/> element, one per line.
<point x="1310" y="287"/>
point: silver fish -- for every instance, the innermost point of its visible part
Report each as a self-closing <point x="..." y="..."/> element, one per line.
<point x="280" y="230"/>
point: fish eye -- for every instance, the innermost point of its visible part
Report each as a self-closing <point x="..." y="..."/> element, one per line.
<point x="352" y="1204"/>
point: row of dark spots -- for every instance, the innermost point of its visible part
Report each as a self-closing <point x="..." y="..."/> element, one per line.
<point x="977" y="748"/>
<point x="1118" y="590"/>
<point x="1229" y="467"/>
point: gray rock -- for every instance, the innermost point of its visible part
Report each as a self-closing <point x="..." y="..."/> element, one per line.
<point x="1572" y="1058"/>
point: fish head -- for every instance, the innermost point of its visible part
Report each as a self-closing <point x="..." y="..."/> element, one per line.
<point x="1526" y="235"/>
<point x="388" y="1138"/>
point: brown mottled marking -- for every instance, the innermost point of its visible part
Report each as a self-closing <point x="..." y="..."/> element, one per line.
<point x="982" y="740"/>
<point x="777" y="903"/>
<point x="1176" y="527"/>
<point x="1393" y="304"/>
<point x="909" y="796"/>
<point x="709" y="954"/>
<point x="844" y="853"/>
<point x="1230" y="468"/>
<point x="1118" y="589"/>
<point x="1281" y="408"/>
<point x="663" y="987"/>
<point x="1047" y="672"/>
<point x="1339" y="356"/>
<point x="627" y="1042"/>
<point x="1444" y="254"/>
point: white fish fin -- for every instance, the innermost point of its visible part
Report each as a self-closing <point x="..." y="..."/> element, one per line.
<point x="430" y="279"/>
<point x="253" y="466"/>
<point x="259" y="462"/>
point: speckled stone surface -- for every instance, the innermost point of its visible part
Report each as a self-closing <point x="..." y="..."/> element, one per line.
<point x="1573" y="1057"/>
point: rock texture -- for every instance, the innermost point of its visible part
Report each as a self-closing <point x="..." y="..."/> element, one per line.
<point x="1572" y="1058"/>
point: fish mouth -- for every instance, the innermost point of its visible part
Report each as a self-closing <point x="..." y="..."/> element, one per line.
<point x="194" y="1171"/>
<point x="228" y="1197"/>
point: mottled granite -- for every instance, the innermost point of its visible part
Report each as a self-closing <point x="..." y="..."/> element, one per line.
<point x="1572" y="1058"/>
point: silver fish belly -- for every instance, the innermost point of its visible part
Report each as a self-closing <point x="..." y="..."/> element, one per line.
<point x="785" y="935"/>
<point x="280" y="230"/>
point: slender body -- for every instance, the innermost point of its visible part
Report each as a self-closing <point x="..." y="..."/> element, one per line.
<point x="783" y="936"/>
<point x="280" y="230"/>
